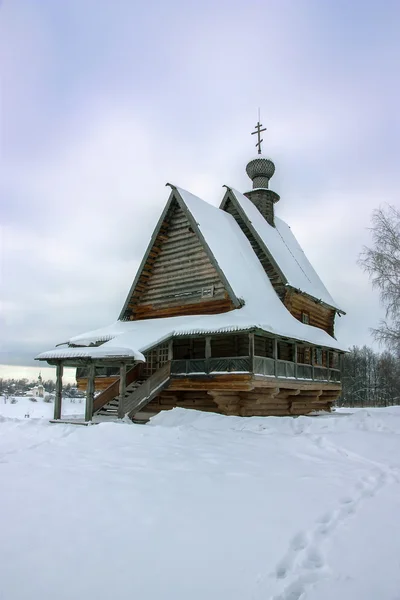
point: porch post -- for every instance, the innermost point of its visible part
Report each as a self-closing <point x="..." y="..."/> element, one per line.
<point x="295" y="360"/>
<point x="170" y="349"/>
<point x="58" y="398"/>
<point x="312" y="361"/>
<point x="122" y="390"/>
<point x="251" y="351"/>
<point x="208" y="353"/>
<point x="90" y="393"/>
<point x="276" y="356"/>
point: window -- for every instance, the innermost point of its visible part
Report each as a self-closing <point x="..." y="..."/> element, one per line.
<point x="207" y="292"/>
<point x="305" y="318"/>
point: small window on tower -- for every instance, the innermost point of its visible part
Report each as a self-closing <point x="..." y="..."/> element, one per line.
<point x="305" y="318"/>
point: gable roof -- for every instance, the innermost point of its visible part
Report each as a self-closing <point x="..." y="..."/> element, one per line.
<point x="185" y="204"/>
<point x="282" y="248"/>
<point x="235" y="259"/>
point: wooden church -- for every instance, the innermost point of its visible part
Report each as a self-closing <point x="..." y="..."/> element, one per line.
<point x="225" y="314"/>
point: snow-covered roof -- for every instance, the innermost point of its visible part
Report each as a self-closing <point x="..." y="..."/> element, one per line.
<point x="236" y="259"/>
<point x="262" y="309"/>
<point x="103" y="352"/>
<point x="286" y="252"/>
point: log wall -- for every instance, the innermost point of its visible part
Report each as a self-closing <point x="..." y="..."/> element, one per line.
<point x="179" y="277"/>
<point x="189" y="348"/>
<point x="223" y="346"/>
<point x="259" y="401"/>
<point x="319" y="315"/>
<point x="285" y="351"/>
<point x="101" y="383"/>
<point x="263" y="346"/>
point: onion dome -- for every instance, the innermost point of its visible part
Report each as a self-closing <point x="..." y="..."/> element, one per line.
<point x="260" y="170"/>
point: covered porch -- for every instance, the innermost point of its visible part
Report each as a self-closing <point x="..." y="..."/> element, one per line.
<point x="250" y="364"/>
<point x="254" y="353"/>
<point x="122" y="361"/>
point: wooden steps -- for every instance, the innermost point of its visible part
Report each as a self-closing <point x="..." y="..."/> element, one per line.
<point x="111" y="408"/>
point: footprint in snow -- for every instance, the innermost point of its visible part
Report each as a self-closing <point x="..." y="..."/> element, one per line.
<point x="298" y="543"/>
<point x="314" y="559"/>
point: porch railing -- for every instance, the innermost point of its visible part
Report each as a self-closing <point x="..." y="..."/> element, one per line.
<point x="264" y="366"/>
<point x="238" y="364"/>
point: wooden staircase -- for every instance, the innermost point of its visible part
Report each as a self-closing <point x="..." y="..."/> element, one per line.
<point x="149" y="389"/>
<point x="139" y="392"/>
<point x="111" y="408"/>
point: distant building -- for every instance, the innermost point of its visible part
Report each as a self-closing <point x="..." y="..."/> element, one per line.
<point x="225" y="314"/>
<point x="38" y="390"/>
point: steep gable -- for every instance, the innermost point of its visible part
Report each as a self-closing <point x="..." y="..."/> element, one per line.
<point x="284" y="257"/>
<point x="274" y="274"/>
<point x="178" y="275"/>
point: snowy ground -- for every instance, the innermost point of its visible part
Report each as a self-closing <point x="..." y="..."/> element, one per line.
<point x="199" y="506"/>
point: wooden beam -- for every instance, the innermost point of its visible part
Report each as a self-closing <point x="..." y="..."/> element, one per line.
<point x="207" y="353"/>
<point x="90" y="393"/>
<point x="171" y="349"/>
<point x="251" y="351"/>
<point x="58" y="398"/>
<point x="122" y="390"/>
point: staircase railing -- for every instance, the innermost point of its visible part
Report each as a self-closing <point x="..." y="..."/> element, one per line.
<point x="113" y="390"/>
<point x="148" y="390"/>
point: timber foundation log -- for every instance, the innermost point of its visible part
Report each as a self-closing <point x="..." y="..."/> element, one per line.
<point x="246" y="397"/>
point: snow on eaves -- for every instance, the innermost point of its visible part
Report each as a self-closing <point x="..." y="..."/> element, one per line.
<point x="286" y="252"/>
<point x="103" y="352"/>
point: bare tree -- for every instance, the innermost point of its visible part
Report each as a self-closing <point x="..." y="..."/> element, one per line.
<point x="382" y="263"/>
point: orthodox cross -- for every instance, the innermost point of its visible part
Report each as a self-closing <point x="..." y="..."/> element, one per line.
<point x="258" y="132"/>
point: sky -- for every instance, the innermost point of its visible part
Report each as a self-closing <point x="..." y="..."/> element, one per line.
<point x="103" y="102"/>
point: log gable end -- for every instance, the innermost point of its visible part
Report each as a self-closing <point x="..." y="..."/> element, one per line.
<point x="177" y="276"/>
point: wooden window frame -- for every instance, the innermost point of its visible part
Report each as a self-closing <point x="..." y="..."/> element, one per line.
<point x="305" y="317"/>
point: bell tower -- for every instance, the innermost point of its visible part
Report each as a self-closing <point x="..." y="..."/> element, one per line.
<point x="260" y="170"/>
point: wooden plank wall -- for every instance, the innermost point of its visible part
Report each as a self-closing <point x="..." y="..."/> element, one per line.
<point x="176" y="274"/>
<point x="320" y="316"/>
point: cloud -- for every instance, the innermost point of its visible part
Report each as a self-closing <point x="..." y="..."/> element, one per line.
<point x="104" y="106"/>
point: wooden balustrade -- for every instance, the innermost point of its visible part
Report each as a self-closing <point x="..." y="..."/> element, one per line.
<point x="260" y="365"/>
<point x="113" y="390"/>
<point x="148" y="390"/>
